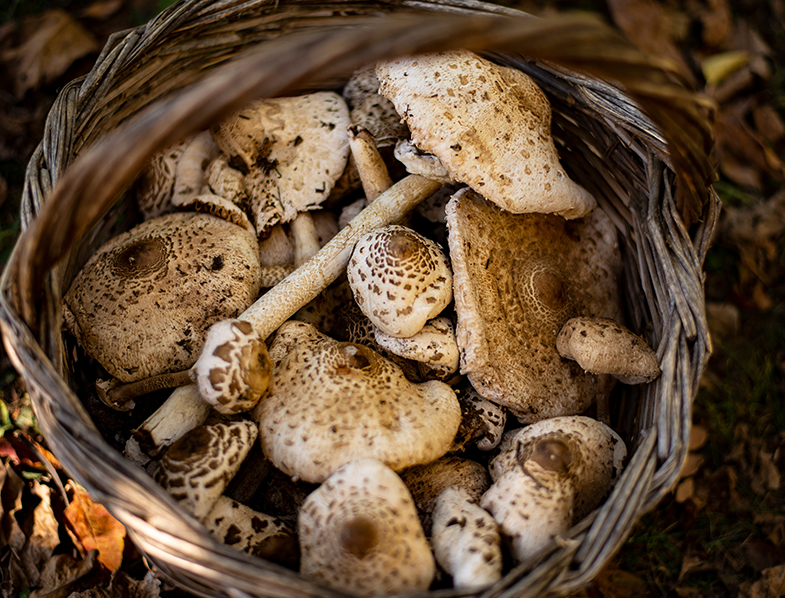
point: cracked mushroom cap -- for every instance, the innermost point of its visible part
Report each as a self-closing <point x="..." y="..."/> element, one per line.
<point x="359" y="533"/>
<point x="196" y="469"/>
<point x="603" y="346"/>
<point x="400" y="279"/>
<point x="599" y="451"/>
<point x="143" y="302"/>
<point x="517" y="279"/>
<point x="489" y="125"/>
<point x="330" y="403"/>
<point x="299" y="152"/>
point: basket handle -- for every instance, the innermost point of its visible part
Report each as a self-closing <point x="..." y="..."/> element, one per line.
<point x="579" y="42"/>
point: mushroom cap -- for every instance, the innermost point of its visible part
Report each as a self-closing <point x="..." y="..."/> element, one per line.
<point x="306" y="148"/>
<point x="419" y="162"/>
<point x="143" y="302"/>
<point x="603" y="346"/>
<point x="517" y="280"/>
<point x="465" y="539"/>
<point x="155" y="185"/>
<point x="359" y="533"/>
<point x="599" y="450"/>
<point x="489" y="125"/>
<point x="434" y="345"/>
<point x="400" y="279"/>
<point x="372" y="111"/>
<point x="196" y="469"/>
<point x="331" y="402"/>
<point x="494" y="416"/>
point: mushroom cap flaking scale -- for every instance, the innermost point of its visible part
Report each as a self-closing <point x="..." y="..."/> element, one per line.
<point x="359" y="533"/>
<point x="516" y="279"/>
<point x="489" y="125"/>
<point x="400" y="279"/>
<point x="330" y="403"/>
<point x="143" y="302"/>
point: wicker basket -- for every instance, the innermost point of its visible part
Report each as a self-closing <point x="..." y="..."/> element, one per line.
<point x="154" y="84"/>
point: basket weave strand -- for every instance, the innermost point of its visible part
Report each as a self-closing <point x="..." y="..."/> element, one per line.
<point x="190" y="65"/>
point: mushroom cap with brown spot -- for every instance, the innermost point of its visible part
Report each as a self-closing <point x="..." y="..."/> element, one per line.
<point x="143" y="302"/>
<point x="598" y="450"/>
<point x="372" y="111"/>
<point x="603" y="346"/>
<point x="400" y="279"/>
<point x="489" y="125"/>
<point x="330" y="403"/>
<point x="359" y="533"/>
<point x="517" y="279"/>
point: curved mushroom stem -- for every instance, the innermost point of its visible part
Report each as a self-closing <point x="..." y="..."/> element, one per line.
<point x="373" y="171"/>
<point x="121" y="396"/>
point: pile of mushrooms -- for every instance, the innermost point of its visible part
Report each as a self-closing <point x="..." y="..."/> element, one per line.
<point x="417" y="358"/>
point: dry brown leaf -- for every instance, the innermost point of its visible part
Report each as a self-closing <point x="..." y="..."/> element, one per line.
<point x="122" y="586"/>
<point x="691" y="465"/>
<point x="52" y="42"/>
<point x="102" y="9"/>
<point x="694" y="564"/>
<point x="685" y="490"/>
<point x="45" y="534"/>
<point x="61" y="573"/>
<point x="715" y="18"/>
<point x="616" y="583"/>
<point x="770" y="585"/>
<point x="96" y="529"/>
<point x="768" y="122"/>
<point x="699" y="434"/>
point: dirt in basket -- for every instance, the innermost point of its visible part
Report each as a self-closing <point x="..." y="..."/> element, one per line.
<point x="720" y="533"/>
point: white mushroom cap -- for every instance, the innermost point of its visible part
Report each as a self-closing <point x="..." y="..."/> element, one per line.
<point x="196" y="469"/>
<point x="144" y="301"/>
<point x="517" y="279"/>
<point x="419" y="162"/>
<point x="434" y="345"/>
<point x="600" y="450"/>
<point x="603" y="346"/>
<point x="235" y="368"/>
<point x="489" y="125"/>
<point x="330" y="403"/>
<point x="359" y="533"/>
<point x="465" y="539"/>
<point x="400" y="279"/>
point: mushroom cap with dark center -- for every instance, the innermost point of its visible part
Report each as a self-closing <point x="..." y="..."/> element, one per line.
<point x="332" y="402"/>
<point x="517" y="279"/>
<point x="359" y="533"/>
<point x="143" y="302"/>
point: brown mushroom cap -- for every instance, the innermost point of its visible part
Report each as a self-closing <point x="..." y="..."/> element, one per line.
<point x="330" y="403"/>
<point x="372" y="111"/>
<point x="489" y="125"/>
<point x="400" y="279"/>
<point x="359" y="533"/>
<point x="144" y="301"/>
<point x="603" y="346"/>
<point x="517" y="279"/>
<point x="599" y="451"/>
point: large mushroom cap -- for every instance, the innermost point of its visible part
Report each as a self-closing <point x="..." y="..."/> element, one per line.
<point x="489" y="125"/>
<point x="359" y="533"/>
<point x="331" y="402"/>
<point x="144" y="301"/>
<point x="517" y="280"/>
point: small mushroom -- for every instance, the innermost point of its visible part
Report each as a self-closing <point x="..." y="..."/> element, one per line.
<point x="359" y="533"/>
<point x="434" y="346"/>
<point x="196" y="469"/>
<point x="143" y="302"/>
<point x="517" y="279"/>
<point x="465" y="539"/>
<point x="489" y="125"/>
<point x="419" y="162"/>
<point x="597" y="447"/>
<point x="603" y="346"/>
<point x="400" y="279"/>
<point x="330" y="403"/>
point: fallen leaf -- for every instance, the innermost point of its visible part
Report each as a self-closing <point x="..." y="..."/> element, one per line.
<point x="694" y="564"/>
<point x="770" y="585"/>
<point x="101" y="10"/>
<point x="685" y="490"/>
<point x="45" y="534"/>
<point x="95" y="528"/>
<point x="768" y="122"/>
<point x="61" y="573"/>
<point x="122" y="586"/>
<point x="617" y="583"/>
<point x="717" y="67"/>
<point x="699" y="434"/>
<point x="691" y="465"/>
<point x="52" y="42"/>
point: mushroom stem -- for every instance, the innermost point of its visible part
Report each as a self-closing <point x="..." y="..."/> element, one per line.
<point x="373" y="172"/>
<point x="126" y="392"/>
<point x="306" y="239"/>
<point x="281" y="302"/>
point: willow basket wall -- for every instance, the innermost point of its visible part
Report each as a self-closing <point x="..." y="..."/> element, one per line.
<point x="199" y="60"/>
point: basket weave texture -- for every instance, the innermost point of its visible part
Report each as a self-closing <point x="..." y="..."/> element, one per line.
<point x="641" y="152"/>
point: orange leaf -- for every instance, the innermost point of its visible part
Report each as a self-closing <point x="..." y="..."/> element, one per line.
<point x="96" y="529"/>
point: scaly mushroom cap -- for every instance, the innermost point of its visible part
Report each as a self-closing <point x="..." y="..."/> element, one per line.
<point x="517" y="280"/>
<point x="330" y="403"/>
<point x="143" y="302"/>
<point x="489" y="125"/>
<point x="400" y="279"/>
<point x="155" y="185"/>
<point x="305" y="151"/>
<point x="359" y="533"/>
<point x="196" y="469"/>
<point x="466" y="541"/>
<point x="494" y="417"/>
<point x="599" y="450"/>
<point x="434" y="345"/>
<point x="603" y="346"/>
<point x="372" y="111"/>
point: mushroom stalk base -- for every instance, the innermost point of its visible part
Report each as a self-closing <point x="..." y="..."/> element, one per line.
<point x="282" y="301"/>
